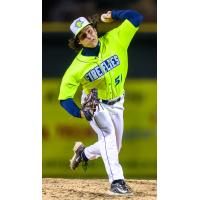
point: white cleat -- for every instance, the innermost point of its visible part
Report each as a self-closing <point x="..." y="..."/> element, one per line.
<point x="77" y="157"/>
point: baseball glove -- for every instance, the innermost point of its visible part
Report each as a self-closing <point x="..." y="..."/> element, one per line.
<point x="90" y="105"/>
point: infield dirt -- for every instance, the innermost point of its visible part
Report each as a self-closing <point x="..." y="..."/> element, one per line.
<point x="88" y="189"/>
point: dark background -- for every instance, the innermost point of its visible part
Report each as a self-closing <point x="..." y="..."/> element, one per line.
<point x="56" y="56"/>
<point x="67" y="10"/>
<point x="142" y="55"/>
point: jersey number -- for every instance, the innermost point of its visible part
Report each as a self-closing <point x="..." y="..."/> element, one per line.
<point x="118" y="79"/>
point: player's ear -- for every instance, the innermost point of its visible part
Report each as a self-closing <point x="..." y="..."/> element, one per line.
<point x="95" y="30"/>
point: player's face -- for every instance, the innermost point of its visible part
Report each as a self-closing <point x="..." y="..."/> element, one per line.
<point x="88" y="37"/>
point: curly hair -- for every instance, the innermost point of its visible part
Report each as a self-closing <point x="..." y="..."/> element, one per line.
<point x="73" y="43"/>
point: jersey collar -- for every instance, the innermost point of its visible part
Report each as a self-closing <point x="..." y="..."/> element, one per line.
<point x="92" y="58"/>
<point x="91" y="51"/>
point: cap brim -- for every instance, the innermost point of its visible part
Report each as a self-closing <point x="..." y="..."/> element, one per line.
<point x="81" y="29"/>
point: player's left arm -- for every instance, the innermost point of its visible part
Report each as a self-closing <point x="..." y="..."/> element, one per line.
<point x="133" y="16"/>
<point x="125" y="32"/>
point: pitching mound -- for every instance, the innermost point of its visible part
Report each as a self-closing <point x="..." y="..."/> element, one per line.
<point x="82" y="189"/>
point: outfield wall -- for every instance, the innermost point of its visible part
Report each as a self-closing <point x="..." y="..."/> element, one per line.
<point x="60" y="130"/>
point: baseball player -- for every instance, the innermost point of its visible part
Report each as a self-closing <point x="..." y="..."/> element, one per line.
<point x="100" y="68"/>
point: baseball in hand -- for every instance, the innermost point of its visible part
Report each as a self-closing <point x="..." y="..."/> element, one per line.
<point x="107" y="17"/>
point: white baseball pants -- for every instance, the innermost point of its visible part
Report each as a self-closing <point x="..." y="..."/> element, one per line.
<point x="108" y="123"/>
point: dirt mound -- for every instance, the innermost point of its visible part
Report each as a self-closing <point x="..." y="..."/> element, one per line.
<point x="88" y="189"/>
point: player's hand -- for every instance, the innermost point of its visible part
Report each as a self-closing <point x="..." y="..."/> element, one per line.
<point x="90" y="105"/>
<point x="88" y="115"/>
<point x="107" y="17"/>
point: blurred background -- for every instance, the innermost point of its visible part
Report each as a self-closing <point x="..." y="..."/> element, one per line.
<point x="138" y="156"/>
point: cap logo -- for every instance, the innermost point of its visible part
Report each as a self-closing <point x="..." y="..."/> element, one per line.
<point x="79" y="23"/>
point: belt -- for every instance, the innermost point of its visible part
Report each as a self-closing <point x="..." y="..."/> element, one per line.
<point x="111" y="102"/>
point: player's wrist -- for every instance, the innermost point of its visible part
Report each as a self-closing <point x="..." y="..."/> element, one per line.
<point x="87" y="115"/>
<point x="82" y="114"/>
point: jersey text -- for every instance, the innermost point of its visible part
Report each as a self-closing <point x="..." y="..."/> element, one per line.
<point x="104" y="67"/>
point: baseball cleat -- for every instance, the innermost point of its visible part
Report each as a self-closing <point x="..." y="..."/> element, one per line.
<point x="120" y="188"/>
<point x="77" y="157"/>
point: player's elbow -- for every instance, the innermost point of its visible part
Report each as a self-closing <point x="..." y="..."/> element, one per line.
<point x="135" y="17"/>
<point x="70" y="106"/>
<point x="139" y="19"/>
<point x="62" y="103"/>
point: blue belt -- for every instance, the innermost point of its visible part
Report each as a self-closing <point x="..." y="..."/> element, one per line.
<point x="111" y="102"/>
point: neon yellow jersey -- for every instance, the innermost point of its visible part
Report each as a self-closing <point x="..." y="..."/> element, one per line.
<point x="107" y="72"/>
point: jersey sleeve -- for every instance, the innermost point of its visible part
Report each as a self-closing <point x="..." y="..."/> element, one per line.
<point x="69" y="86"/>
<point x="124" y="33"/>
